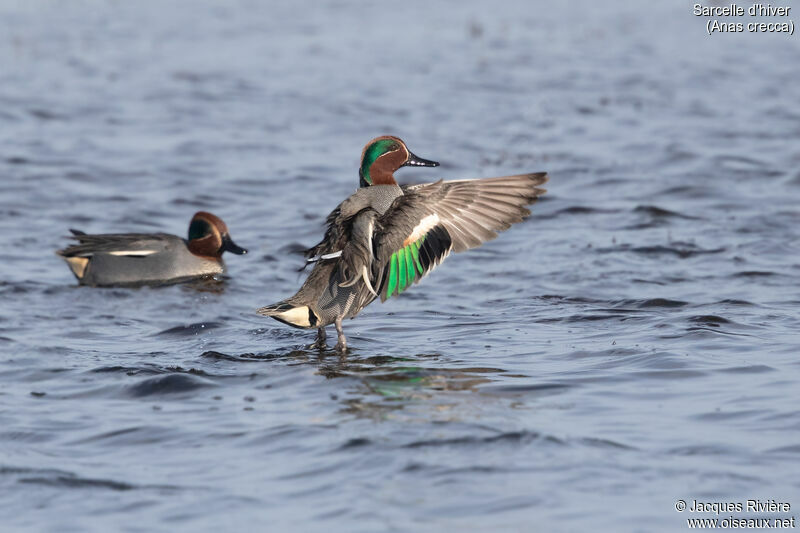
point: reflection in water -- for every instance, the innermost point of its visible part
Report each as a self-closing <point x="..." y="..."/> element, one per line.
<point x="423" y="390"/>
<point x="385" y="384"/>
<point x="211" y="284"/>
<point x="394" y="379"/>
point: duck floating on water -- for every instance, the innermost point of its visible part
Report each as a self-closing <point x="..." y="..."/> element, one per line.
<point x="386" y="237"/>
<point x="129" y="259"/>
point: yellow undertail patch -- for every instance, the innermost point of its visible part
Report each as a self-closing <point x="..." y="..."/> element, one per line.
<point x="78" y="265"/>
<point x="297" y="316"/>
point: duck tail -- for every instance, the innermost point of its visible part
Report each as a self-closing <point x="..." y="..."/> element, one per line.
<point x="299" y="316"/>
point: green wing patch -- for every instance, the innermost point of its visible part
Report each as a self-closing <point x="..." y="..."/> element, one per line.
<point x="403" y="267"/>
<point x="411" y="262"/>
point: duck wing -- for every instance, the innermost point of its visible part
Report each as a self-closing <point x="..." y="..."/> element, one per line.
<point x="339" y="227"/>
<point x="430" y="220"/>
<point x="122" y="244"/>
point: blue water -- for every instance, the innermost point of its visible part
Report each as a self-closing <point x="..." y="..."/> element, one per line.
<point x="634" y="342"/>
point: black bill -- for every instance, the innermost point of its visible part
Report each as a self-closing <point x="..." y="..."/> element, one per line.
<point x="229" y="246"/>
<point x="414" y="161"/>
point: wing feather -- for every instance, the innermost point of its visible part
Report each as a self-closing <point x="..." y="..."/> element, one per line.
<point x="119" y="244"/>
<point x="460" y="215"/>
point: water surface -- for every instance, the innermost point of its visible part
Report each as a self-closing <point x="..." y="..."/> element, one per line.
<point x="632" y="343"/>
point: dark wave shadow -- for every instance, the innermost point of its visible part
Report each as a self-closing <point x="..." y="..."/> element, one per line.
<point x="168" y="384"/>
<point x="67" y="480"/>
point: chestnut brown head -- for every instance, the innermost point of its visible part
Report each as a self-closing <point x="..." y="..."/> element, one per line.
<point x="208" y="236"/>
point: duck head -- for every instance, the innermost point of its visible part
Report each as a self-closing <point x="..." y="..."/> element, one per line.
<point x="382" y="156"/>
<point x="208" y="236"/>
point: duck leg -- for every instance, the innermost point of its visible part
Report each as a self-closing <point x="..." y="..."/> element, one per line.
<point x="341" y="346"/>
<point x="320" y="342"/>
